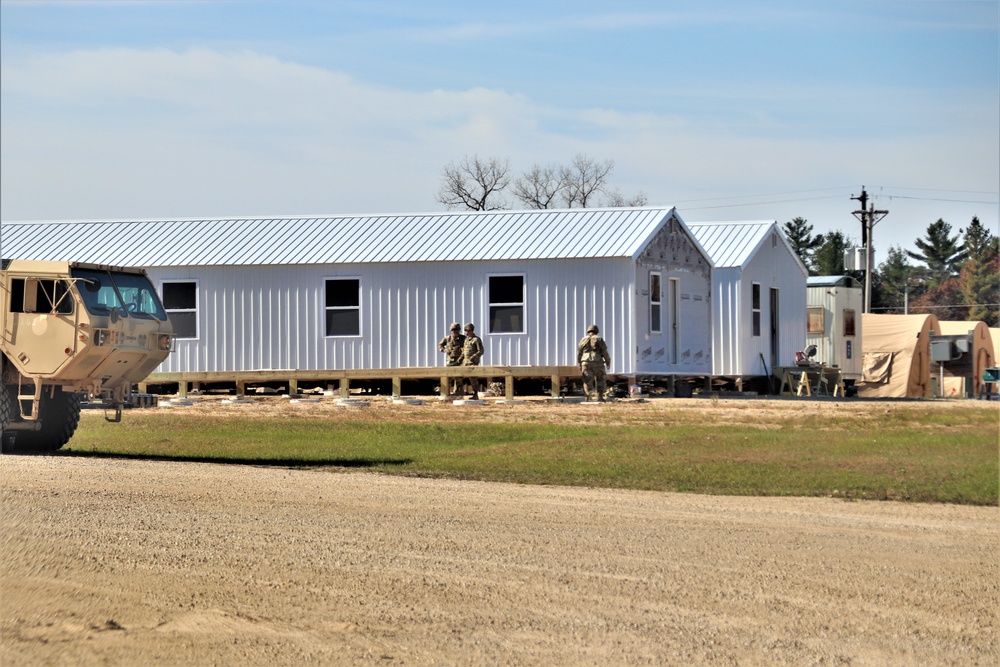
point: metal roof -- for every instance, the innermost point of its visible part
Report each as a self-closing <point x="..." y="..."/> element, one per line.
<point x="731" y="244"/>
<point x="432" y="237"/>
<point x="832" y="281"/>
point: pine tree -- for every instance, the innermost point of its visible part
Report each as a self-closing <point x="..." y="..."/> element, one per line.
<point x="980" y="276"/>
<point x="799" y="234"/>
<point x="829" y="256"/>
<point x="942" y="253"/>
<point x="889" y="286"/>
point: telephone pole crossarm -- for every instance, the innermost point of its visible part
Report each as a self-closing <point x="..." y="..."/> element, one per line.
<point x="869" y="217"/>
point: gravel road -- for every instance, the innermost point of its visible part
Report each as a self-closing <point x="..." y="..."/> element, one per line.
<point x="125" y="562"/>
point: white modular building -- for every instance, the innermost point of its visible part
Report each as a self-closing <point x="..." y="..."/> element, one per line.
<point x="835" y="305"/>
<point x="378" y="292"/>
<point x="758" y="297"/>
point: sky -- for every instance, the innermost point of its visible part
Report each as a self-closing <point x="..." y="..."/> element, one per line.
<point x="742" y="110"/>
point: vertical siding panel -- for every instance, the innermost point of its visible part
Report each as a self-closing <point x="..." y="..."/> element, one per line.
<point x="253" y="318"/>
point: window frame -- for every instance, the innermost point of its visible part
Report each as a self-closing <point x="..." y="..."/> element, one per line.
<point x="850" y="322"/>
<point x="656" y="303"/>
<point x="522" y="304"/>
<point x="194" y="311"/>
<point x="327" y="308"/>
<point x="755" y="311"/>
<point x="55" y="292"/>
<point x="815" y="319"/>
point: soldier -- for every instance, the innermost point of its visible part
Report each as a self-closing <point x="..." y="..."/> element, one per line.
<point x="472" y="354"/>
<point x="593" y="357"/>
<point x="452" y="345"/>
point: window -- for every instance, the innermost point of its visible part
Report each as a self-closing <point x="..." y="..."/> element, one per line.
<point x="655" y="305"/>
<point x="506" y="304"/>
<point x="755" y="308"/>
<point x="138" y="295"/>
<point x="180" y="300"/>
<point x="31" y="295"/>
<point x="848" y="322"/>
<point x="343" y="307"/>
<point x="814" y="320"/>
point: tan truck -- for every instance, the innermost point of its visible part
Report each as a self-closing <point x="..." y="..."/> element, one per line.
<point x="71" y="332"/>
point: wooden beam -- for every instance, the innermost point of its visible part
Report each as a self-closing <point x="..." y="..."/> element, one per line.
<point x="445" y="375"/>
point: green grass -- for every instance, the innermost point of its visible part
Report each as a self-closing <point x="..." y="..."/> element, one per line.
<point x="926" y="456"/>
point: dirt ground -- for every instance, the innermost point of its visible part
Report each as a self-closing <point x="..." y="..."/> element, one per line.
<point x="114" y="561"/>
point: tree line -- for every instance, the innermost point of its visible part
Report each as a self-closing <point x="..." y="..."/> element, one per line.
<point x="956" y="277"/>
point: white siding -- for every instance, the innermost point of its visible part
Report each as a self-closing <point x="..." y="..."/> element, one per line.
<point x="730" y="330"/>
<point x="772" y="268"/>
<point x="832" y="346"/>
<point x="736" y="351"/>
<point x="677" y="257"/>
<point x="272" y="317"/>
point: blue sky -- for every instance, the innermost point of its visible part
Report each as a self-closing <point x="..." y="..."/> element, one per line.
<point x="728" y="110"/>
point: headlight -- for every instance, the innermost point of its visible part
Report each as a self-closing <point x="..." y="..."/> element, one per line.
<point x="165" y="342"/>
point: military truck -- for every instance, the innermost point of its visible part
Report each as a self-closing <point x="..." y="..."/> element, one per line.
<point x="72" y="332"/>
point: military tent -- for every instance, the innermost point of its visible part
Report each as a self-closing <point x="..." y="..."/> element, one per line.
<point x="964" y="376"/>
<point x="896" y="354"/>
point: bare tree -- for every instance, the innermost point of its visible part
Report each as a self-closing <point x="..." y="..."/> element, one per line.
<point x="615" y="199"/>
<point x="584" y="179"/>
<point x="475" y="184"/>
<point x="539" y="187"/>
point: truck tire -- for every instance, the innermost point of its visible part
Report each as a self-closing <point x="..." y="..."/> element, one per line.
<point x="60" y="415"/>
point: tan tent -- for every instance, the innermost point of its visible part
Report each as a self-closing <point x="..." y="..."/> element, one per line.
<point x="897" y="354"/>
<point x="973" y="363"/>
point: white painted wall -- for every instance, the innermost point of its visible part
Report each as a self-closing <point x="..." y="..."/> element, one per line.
<point x="737" y="352"/>
<point x="833" y="347"/>
<point x="272" y="317"/>
<point x="678" y="258"/>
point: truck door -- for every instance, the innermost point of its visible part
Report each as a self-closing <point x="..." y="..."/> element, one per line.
<point x="42" y="325"/>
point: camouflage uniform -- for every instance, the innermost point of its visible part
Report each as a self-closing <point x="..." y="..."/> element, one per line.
<point x="453" y="346"/>
<point x="593" y="358"/>
<point x="472" y="354"/>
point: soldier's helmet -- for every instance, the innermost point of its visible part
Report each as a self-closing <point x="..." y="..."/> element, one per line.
<point x="470" y="327"/>
<point x="455" y="326"/>
<point x="593" y="329"/>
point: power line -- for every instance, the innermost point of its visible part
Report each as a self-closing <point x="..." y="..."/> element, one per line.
<point x="756" y="203"/>
<point x="766" y="194"/>
<point x="959" y="201"/>
<point x="967" y="192"/>
<point x="882" y="193"/>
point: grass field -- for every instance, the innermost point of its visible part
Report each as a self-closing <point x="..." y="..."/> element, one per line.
<point x="925" y="452"/>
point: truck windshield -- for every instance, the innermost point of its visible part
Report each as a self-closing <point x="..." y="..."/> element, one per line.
<point x="131" y="293"/>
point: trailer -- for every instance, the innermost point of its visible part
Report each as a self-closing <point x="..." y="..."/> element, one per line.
<point x="833" y="324"/>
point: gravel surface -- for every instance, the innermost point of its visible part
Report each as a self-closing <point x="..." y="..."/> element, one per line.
<point x="110" y="561"/>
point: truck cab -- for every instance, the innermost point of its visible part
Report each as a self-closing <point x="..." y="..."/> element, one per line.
<point x="71" y="331"/>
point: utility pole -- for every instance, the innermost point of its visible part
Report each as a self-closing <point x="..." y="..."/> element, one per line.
<point x="869" y="217"/>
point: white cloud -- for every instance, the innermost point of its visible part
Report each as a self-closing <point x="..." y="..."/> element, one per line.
<point x="152" y="133"/>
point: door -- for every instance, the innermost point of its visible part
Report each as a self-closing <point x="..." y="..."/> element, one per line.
<point x="673" y="301"/>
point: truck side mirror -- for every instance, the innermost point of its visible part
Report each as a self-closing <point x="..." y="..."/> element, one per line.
<point x="30" y="295"/>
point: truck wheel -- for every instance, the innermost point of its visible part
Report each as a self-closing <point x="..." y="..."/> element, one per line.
<point x="60" y="415"/>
